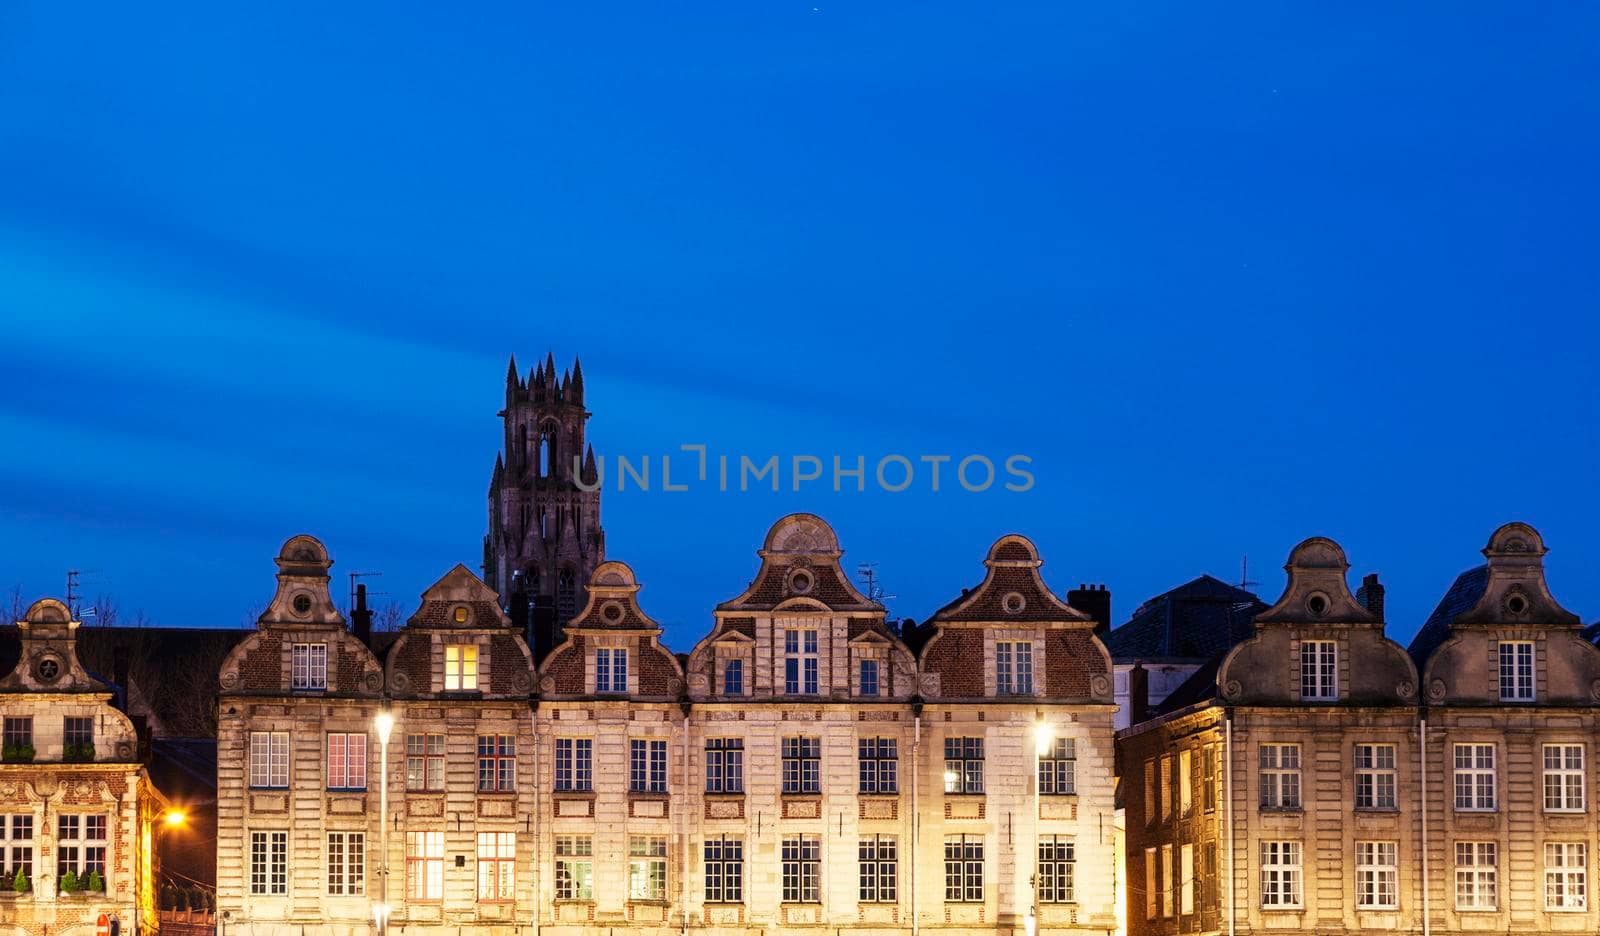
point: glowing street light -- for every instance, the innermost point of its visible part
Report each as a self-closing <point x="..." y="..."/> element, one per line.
<point x="383" y="723"/>
<point x="174" y="818"/>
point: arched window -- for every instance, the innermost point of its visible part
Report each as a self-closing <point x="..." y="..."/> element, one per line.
<point x="566" y="594"/>
<point x="550" y="453"/>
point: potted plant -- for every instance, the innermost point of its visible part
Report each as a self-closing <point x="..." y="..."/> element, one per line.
<point x="94" y="883"/>
<point x="69" y="883"/>
<point x="17" y="753"/>
<point x="78" y="753"/>
<point x="20" y="882"/>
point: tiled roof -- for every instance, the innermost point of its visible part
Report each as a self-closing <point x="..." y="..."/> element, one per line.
<point x="1196" y="620"/>
<point x="1463" y="595"/>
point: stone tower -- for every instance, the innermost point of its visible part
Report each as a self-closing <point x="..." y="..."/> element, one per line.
<point x="544" y="538"/>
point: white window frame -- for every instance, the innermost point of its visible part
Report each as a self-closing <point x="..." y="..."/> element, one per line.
<point x="647" y="765"/>
<point x="1566" y="877"/>
<point x="1377" y="777"/>
<point x="1013" y="667"/>
<point x="574" y="867"/>
<point x="1282" y="875"/>
<point x="1477" y="876"/>
<point x="963" y="868"/>
<point x="1377" y="875"/>
<point x="1517" y="681"/>
<point x="1319" y="670"/>
<point x="269" y="863"/>
<point x="800" y="656"/>
<point x="1564" y="778"/>
<point x="574" y="765"/>
<point x="878" y="867"/>
<point x="346" y="760"/>
<point x="461" y="667"/>
<point x="1058" y="768"/>
<point x="16" y="846"/>
<point x="611" y="670"/>
<point x="871" y="685"/>
<point x="801" y="867"/>
<point x="1279" y="772"/>
<point x="308" y="666"/>
<point x="733" y="677"/>
<point x="347" y="864"/>
<point x="269" y="760"/>
<point x="1476" y="777"/>
<point x="647" y="867"/>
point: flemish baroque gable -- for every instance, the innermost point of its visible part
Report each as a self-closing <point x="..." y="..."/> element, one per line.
<point x="637" y="666"/>
<point x="460" y="643"/>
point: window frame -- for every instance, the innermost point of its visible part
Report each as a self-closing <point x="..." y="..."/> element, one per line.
<point x="308" y="667"/>
<point x="269" y="758"/>
<point x="647" y="868"/>
<point x="1058" y="768"/>
<point x="346" y="860"/>
<point x="733" y="677"/>
<point x="647" y="765"/>
<point x="1376" y="784"/>
<point x="724" y="869"/>
<point x="1518" y="672"/>
<point x="83" y="844"/>
<point x="611" y="670"/>
<point x="1058" y="869"/>
<point x="1478" y="876"/>
<point x="1377" y="875"/>
<point x="1566" y="882"/>
<point x="800" y="857"/>
<point x="877" y="766"/>
<point x="725" y="766"/>
<point x="1320" y="673"/>
<point x="341" y="762"/>
<point x="497" y="870"/>
<point x="1470" y="777"/>
<point x="1282" y="874"/>
<point x="461" y="673"/>
<point x="801" y="653"/>
<point x="574" y="765"/>
<point x="1570" y="774"/>
<point x="17" y="849"/>
<point x="963" y="766"/>
<point x="422" y="760"/>
<point x="963" y="868"/>
<point x="869" y="688"/>
<point x="424" y="865"/>
<point x="268" y="872"/>
<point x="500" y="760"/>
<point x="1013" y="667"/>
<point x="878" y="869"/>
<point x="1276" y="794"/>
<point x="574" y="854"/>
<point x="802" y="765"/>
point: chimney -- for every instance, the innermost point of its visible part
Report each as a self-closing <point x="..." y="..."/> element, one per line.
<point x="1370" y="595"/>
<point x="1138" y="694"/>
<point x="361" y="616"/>
<point x="1095" y="601"/>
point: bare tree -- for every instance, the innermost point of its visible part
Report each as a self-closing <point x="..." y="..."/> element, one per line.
<point x="389" y="618"/>
<point x="19" y="607"/>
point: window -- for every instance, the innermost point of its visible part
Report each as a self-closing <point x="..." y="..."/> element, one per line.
<point x="1563" y="778"/>
<point x="1208" y="779"/>
<point x="1280" y="875"/>
<point x="647" y="766"/>
<point x="347" y="761"/>
<point x="16" y="847"/>
<point x="81" y="844"/>
<point x="497" y="866"/>
<point x="1057" y="863"/>
<point x="460" y="667"/>
<point x="1375" y="776"/>
<point x="802" y="860"/>
<point x="1058" y="768"/>
<point x="1185" y="782"/>
<point x="963" y="869"/>
<point x="880" y="765"/>
<point x="647" y="867"/>
<point x="77" y="733"/>
<point x="1476" y="877"/>
<point x="574" y="764"/>
<point x="347" y="864"/>
<point x="17" y="732"/>
<point x="269" y="863"/>
<point x="1186" y="880"/>
<point x="724" y="765"/>
<point x="574" y="867"/>
<point x="733" y="677"/>
<point x="1377" y="875"/>
<point x="724" y="869"/>
<point x="802" y="765"/>
<point x="879" y="870"/>
<point x="869" y="677"/>
<point x="424" y="865"/>
<point x="308" y="666"/>
<point x="1150" y="886"/>
<point x="963" y="765"/>
<point x="1166" y="788"/>
<point x="1013" y="667"/>
<point x="1169" y="882"/>
<point x="1150" y="792"/>
<point x="1319" y="670"/>
<point x="425" y="762"/>
<point x="269" y="759"/>
<point x="1208" y="873"/>
<point x="1280" y="776"/>
<point x="1566" y="876"/>
<point x="1516" y="671"/>
<point x="497" y="763"/>
<point x="800" y="662"/>
<point x="1474" y="777"/>
<point x="611" y="669"/>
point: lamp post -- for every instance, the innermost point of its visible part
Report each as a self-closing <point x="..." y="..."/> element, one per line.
<point x="1042" y="739"/>
<point x="384" y="724"/>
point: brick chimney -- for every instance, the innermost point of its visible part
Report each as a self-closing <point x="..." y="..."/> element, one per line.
<point x="1095" y="601"/>
<point x="361" y="617"/>
<point x="1370" y="595"/>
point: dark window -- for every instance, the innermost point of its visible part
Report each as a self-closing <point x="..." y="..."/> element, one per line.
<point x="647" y="768"/>
<point x="879" y="869"/>
<point x="425" y="762"/>
<point x="78" y="733"/>
<point x="880" y="766"/>
<point x="497" y="763"/>
<point x="724" y="765"/>
<point x="802" y="765"/>
<point x="733" y="677"/>
<point x="724" y="870"/>
<point x="17" y="732"/>
<point x="574" y="764"/>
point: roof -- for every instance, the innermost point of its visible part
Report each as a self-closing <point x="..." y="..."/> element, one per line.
<point x="1201" y="686"/>
<point x="1463" y="595"/>
<point x="1195" y="621"/>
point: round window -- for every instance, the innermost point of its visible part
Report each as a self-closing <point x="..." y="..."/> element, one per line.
<point x="1013" y="603"/>
<point x="302" y="604"/>
<point x="1317" y="604"/>
<point x="801" y="581"/>
<point x="1517" y="604"/>
<point x="611" y="613"/>
<point x="47" y="669"/>
<point x="460" y="614"/>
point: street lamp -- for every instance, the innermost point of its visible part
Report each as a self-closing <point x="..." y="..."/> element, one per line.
<point x="1043" y="737"/>
<point x="383" y="723"/>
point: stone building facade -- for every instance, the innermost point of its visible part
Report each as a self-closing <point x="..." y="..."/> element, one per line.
<point x="77" y="812"/>
<point x="1316" y="786"/>
<point x="801" y="769"/>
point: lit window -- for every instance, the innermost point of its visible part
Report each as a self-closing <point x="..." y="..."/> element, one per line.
<point x="269" y="759"/>
<point x="1477" y="879"/>
<point x="269" y="863"/>
<point x="647" y="867"/>
<point x="425" y="762"/>
<point x="308" y="666"/>
<point x="81" y="845"/>
<point x="460" y="667"/>
<point x="497" y="866"/>
<point x="611" y="669"/>
<point x="1516" y="671"/>
<point x="1280" y="776"/>
<point x="879" y="866"/>
<point x="1186" y="880"/>
<point x="347" y="761"/>
<point x="1375" y="776"/>
<point x="724" y="869"/>
<point x="1319" y="670"/>
<point x="1475" y="777"/>
<point x="1013" y="667"/>
<point x="1150" y="885"/>
<point x="574" y="867"/>
<point x="16" y="847"/>
<point x="574" y="764"/>
<point x="1185" y="782"/>
<point x="347" y="864"/>
<point x="963" y="765"/>
<point x="1566" y="876"/>
<point x="1563" y="778"/>
<point x="1057" y="868"/>
<point x="1377" y="875"/>
<point x="497" y="763"/>
<point x="424" y="865"/>
<point x="1169" y="881"/>
<point x="1281" y="875"/>
<point x="1058" y="768"/>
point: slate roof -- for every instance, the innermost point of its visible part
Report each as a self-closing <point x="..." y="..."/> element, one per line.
<point x="1463" y="595"/>
<point x="1195" y="621"/>
<point x="1201" y="686"/>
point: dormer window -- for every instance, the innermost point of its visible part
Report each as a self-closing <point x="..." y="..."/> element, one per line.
<point x="308" y="666"/>
<point x="1013" y="667"/>
<point x="869" y="677"/>
<point x="733" y="677"/>
<point x="461" y="667"/>
<point x="1319" y="671"/>
<point x="611" y="669"/>
<point x="1516" y="671"/>
<point x="800" y="661"/>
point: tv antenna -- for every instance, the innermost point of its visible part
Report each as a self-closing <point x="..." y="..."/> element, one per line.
<point x="1244" y="575"/>
<point x="355" y="578"/>
<point x="75" y="594"/>
<point x="868" y="573"/>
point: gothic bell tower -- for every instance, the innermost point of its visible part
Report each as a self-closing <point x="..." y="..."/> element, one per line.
<point x="544" y="538"/>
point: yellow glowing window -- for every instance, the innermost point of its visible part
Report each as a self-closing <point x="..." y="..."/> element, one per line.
<point x="460" y="667"/>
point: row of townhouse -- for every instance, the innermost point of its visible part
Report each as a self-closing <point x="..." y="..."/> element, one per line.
<point x="802" y="767"/>
<point x="1319" y="777"/>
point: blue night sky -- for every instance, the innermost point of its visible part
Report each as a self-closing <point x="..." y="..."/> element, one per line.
<point x="1231" y="275"/>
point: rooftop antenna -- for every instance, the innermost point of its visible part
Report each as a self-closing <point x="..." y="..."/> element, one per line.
<point x="75" y="594"/>
<point x="355" y="577"/>
<point x="868" y="573"/>
<point x="1244" y="575"/>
